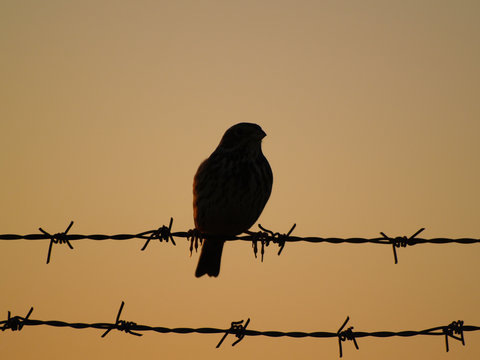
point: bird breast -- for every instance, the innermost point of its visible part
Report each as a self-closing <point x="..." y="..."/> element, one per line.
<point x="230" y="193"/>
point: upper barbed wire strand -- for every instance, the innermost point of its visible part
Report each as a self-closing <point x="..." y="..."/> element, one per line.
<point x="265" y="236"/>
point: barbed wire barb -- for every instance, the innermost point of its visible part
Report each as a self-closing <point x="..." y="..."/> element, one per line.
<point x="401" y="241"/>
<point x="455" y="327"/>
<point x="162" y="233"/>
<point x="16" y="323"/>
<point x="122" y="325"/>
<point x="346" y="334"/>
<point x="265" y="236"/>
<point x="58" y="238"/>
<point x="238" y="329"/>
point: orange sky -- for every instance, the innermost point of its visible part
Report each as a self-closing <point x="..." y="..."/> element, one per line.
<point x="372" y="115"/>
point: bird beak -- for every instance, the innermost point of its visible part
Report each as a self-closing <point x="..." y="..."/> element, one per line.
<point x="262" y="134"/>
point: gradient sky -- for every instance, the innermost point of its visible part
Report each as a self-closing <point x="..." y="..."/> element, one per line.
<point x="373" y="119"/>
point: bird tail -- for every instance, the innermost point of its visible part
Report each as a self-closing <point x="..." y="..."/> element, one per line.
<point x="210" y="257"/>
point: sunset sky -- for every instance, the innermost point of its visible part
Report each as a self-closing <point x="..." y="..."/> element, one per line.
<point x="372" y="115"/>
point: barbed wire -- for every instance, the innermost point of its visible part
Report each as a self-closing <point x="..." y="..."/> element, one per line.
<point x="264" y="236"/>
<point x="455" y="330"/>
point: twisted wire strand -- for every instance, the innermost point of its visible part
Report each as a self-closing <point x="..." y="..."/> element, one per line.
<point x="455" y="330"/>
<point x="264" y="236"/>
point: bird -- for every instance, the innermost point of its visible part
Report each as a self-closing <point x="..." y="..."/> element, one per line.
<point x="230" y="190"/>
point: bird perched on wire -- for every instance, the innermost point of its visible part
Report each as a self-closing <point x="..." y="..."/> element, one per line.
<point x="230" y="190"/>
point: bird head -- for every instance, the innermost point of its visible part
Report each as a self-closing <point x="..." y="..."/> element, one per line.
<point x="242" y="135"/>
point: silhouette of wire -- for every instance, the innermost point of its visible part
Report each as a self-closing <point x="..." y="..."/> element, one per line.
<point x="264" y="236"/>
<point x="455" y="330"/>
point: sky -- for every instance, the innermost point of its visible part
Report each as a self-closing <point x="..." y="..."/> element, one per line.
<point x="372" y="115"/>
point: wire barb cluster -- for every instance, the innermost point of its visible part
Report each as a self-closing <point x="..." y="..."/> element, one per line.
<point x="346" y="334"/>
<point x="454" y="330"/>
<point x="264" y="236"/>
<point x="238" y="329"/>
<point x="15" y="323"/>
<point x="122" y="325"/>
<point x="58" y="238"/>
<point x="162" y="233"/>
<point x="455" y="327"/>
<point x="401" y="241"/>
